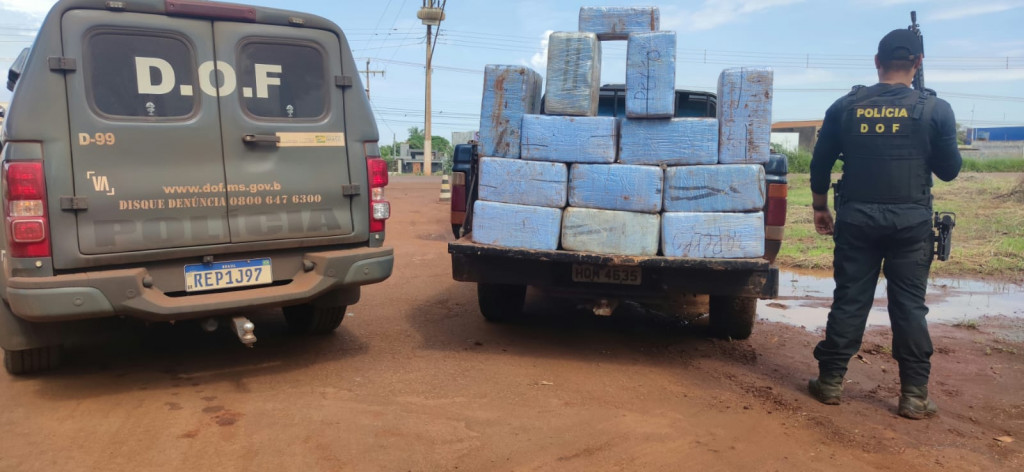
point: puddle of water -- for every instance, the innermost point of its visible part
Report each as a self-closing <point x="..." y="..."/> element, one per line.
<point x="805" y="299"/>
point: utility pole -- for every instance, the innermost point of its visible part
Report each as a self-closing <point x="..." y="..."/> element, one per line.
<point x="368" y="73"/>
<point x="431" y="16"/>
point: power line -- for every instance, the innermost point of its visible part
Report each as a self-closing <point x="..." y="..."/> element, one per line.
<point x="395" y="22"/>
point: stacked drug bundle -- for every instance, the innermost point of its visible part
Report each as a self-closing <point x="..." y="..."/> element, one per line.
<point x="520" y="202"/>
<point x="610" y="172"/>
<point x="716" y="211"/>
<point x="613" y="207"/>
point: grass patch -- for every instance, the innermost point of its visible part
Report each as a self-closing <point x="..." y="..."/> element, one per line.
<point x="988" y="240"/>
<point x="1006" y="350"/>
<point x="993" y="165"/>
<point x="800" y="163"/>
<point x="966" y="323"/>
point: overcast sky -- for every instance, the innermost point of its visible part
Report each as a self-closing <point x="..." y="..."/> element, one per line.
<point x="818" y="48"/>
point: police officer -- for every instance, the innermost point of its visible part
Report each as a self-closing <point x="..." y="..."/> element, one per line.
<point x="891" y="139"/>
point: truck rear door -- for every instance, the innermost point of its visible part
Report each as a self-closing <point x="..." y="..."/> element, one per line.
<point x="285" y="159"/>
<point x="146" y="141"/>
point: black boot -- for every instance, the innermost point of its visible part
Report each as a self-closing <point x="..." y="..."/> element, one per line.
<point x="915" y="404"/>
<point x="827" y="389"/>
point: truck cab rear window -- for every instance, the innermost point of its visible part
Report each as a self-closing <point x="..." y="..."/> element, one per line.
<point x="133" y="75"/>
<point x="282" y="81"/>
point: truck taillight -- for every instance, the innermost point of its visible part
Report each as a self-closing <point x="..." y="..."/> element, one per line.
<point x="775" y="208"/>
<point x="458" y="191"/>
<point x="377" y="176"/>
<point x="25" y="209"/>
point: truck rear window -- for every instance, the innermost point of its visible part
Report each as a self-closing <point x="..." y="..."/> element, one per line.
<point x="137" y="75"/>
<point x="282" y="81"/>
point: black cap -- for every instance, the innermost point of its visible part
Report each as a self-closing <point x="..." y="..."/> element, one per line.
<point x="901" y="44"/>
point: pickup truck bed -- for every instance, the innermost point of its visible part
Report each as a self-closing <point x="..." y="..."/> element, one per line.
<point x="473" y="262"/>
<point x="601" y="281"/>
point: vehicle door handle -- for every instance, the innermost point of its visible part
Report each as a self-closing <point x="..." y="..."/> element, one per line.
<point x="261" y="139"/>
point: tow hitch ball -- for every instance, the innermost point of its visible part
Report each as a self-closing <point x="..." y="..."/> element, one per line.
<point x="244" y="329"/>
<point x="605" y="307"/>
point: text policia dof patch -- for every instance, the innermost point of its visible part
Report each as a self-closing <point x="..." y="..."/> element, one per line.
<point x="876" y="120"/>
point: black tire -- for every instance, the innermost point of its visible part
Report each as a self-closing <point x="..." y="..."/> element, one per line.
<point x="310" y="319"/>
<point x="501" y="303"/>
<point x="30" y="361"/>
<point x="456" y="229"/>
<point x="732" y="317"/>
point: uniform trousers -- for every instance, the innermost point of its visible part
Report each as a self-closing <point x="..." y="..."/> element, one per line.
<point x="904" y="254"/>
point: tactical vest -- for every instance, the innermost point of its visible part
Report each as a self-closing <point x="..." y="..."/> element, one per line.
<point x="885" y="145"/>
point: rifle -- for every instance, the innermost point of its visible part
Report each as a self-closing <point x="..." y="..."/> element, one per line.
<point x="944" y="223"/>
<point x="919" y="76"/>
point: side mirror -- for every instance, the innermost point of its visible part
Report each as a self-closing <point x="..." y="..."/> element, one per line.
<point x="16" y="69"/>
<point x="3" y="112"/>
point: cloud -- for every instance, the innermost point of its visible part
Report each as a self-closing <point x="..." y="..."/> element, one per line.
<point x="961" y="11"/>
<point x="889" y="3"/>
<point x="995" y="49"/>
<point x="714" y="13"/>
<point x="795" y="78"/>
<point x="972" y="76"/>
<point x="539" y="61"/>
<point x="32" y="7"/>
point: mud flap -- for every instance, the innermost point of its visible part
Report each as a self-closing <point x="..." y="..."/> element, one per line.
<point x="17" y="334"/>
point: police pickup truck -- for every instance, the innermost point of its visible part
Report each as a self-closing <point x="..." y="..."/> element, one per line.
<point x="503" y="274"/>
<point x="176" y="159"/>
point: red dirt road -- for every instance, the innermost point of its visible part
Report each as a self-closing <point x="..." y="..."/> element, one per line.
<point x="415" y="379"/>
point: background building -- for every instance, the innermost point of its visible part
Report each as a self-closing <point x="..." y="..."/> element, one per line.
<point x="806" y="131"/>
<point x="410" y="161"/>
<point x="995" y="142"/>
<point x="464" y="137"/>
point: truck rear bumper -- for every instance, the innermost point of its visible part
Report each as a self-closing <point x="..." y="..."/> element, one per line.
<point x="125" y="292"/>
<point x="472" y="262"/>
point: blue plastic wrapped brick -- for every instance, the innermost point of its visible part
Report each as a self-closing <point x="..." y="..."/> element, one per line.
<point x="745" y="115"/>
<point x="712" y="235"/>
<point x="516" y="226"/>
<point x="584" y="139"/>
<point x="610" y="232"/>
<point x="674" y="142"/>
<point x="574" y="74"/>
<point x="616" y="187"/>
<point x="523" y="182"/>
<point x="509" y="93"/>
<point x="651" y="75"/>
<point x="610" y="23"/>
<point x="718" y="188"/>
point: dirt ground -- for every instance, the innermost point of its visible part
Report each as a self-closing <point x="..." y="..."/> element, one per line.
<point x="415" y="379"/>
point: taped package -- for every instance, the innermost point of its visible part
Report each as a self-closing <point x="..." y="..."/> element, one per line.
<point x="509" y="93"/>
<point x="523" y="182"/>
<point x="717" y="188"/>
<point x="610" y="232"/>
<point x="745" y="115"/>
<point x="651" y="75"/>
<point x="574" y="74"/>
<point x="611" y="23"/>
<point x="516" y="226"/>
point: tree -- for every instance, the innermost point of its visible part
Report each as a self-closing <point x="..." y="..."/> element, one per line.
<point x="415" y="138"/>
<point x="439" y="145"/>
<point x="961" y="134"/>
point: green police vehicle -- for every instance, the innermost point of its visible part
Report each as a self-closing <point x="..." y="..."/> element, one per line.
<point x="168" y="160"/>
